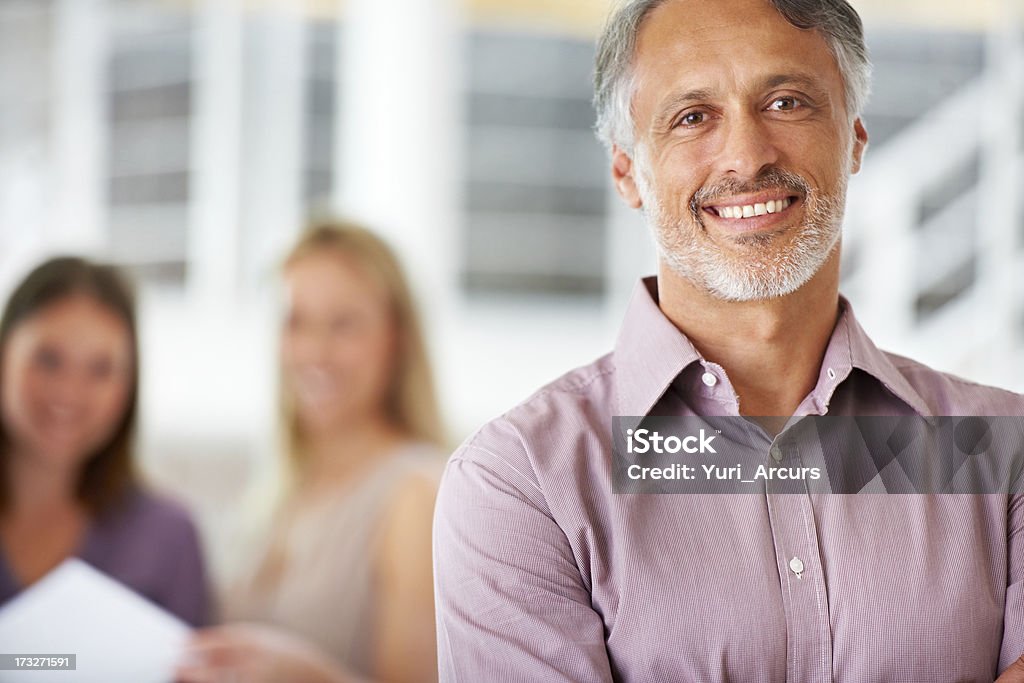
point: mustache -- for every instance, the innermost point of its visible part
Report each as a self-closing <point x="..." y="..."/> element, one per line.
<point x="769" y="179"/>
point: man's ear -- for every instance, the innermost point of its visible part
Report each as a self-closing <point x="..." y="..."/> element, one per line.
<point x="860" y="143"/>
<point x="622" y="174"/>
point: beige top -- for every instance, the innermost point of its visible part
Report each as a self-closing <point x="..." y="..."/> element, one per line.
<point x="315" y="575"/>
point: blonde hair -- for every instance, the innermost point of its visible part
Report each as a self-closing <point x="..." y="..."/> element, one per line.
<point x="411" y="402"/>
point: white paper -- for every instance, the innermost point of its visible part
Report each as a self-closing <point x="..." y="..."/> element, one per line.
<point x="117" y="635"/>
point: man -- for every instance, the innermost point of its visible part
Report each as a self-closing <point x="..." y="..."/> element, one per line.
<point x="734" y="125"/>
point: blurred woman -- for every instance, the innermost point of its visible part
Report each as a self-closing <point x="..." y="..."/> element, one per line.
<point x="68" y="488"/>
<point x="345" y="580"/>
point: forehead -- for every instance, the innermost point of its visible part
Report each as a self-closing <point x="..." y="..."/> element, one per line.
<point x="78" y="309"/>
<point x="328" y="276"/>
<point x="77" y="322"/>
<point x="721" y="44"/>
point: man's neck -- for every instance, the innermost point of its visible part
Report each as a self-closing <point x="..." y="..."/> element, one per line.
<point x="771" y="350"/>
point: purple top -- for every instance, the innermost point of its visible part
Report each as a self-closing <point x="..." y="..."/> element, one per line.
<point x="543" y="573"/>
<point x="150" y="545"/>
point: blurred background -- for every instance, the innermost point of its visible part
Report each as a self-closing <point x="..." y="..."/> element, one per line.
<point x="188" y="141"/>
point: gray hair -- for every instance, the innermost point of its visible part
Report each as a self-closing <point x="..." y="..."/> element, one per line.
<point x="835" y="20"/>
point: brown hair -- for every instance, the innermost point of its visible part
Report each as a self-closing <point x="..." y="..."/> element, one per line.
<point x="109" y="472"/>
<point x="411" y="402"/>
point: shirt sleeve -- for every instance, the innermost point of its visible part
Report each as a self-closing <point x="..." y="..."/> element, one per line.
<point x="511" y="601"/>
<point x="1013" y="615"/>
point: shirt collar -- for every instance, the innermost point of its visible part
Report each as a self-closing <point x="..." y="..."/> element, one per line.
<point x="865" y="356"/>
<point x="651" y="352"/>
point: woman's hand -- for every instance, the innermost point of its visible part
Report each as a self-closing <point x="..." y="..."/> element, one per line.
<point x="252" y="653"/>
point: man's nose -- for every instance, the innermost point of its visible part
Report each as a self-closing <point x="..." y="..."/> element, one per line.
<point x="747" y="148"/>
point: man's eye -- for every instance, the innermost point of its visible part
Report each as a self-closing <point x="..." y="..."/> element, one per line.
<point x="784" y="104"/>
<point x="694" y="118"/>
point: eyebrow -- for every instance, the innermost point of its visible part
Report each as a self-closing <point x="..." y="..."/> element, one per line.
<point x="668" y="108"/>
<point x="804" y="81"/>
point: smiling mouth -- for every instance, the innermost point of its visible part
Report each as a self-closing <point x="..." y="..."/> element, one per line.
<point x="752" y="210"/>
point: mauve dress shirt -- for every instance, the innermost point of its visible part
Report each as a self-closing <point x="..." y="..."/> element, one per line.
<point x="150" y="545"/>
<point x="544" y="574"/>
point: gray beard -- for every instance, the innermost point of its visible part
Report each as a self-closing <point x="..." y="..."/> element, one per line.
<point x="761" y="270"/>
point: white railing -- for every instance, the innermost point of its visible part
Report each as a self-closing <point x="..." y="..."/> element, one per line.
<point x="971" y="148"/>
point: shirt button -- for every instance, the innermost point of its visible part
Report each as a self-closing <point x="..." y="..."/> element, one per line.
<point x="796" y="565"/>
<point x="776" y="454"/>
<point x="709" y="379"/>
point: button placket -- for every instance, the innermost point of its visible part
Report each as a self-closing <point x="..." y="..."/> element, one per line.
<point x="794" y="533"/>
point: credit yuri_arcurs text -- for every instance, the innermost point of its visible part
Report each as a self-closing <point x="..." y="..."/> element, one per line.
<point x="818" y="454"/>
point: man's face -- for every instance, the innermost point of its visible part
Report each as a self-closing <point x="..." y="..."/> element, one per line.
<point x="743" y="146"/>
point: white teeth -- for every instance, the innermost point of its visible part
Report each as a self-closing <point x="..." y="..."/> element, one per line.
<point x="750" y="210"/>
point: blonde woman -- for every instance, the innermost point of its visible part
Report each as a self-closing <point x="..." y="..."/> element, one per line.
<point x="342" y="590"/>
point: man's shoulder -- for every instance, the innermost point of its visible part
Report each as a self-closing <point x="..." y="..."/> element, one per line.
<point x="945" y="393"/>
<point x="572" y="409"/>
<point x="587" y="388"/>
